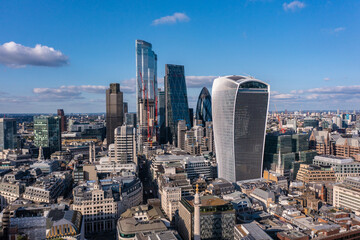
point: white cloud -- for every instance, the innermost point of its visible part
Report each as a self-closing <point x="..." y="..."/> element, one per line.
<point x="171" y="19"/>
<point x="199" y="81"/>
<point x="16" y="55"/>
<point x="339" y="29"/>
<point x="326" y="79"/>
<point x="294" y="5"/>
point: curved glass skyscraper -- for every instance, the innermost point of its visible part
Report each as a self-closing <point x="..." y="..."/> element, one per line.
<point x="239" y="107"/>
<point x="203" y="107"/>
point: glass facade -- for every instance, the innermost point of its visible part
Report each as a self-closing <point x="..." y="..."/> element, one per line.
<point x="47" y="132"/>
<point x="8" y="133"/>
<point x="146" y="71"/>
<point x="239" y="108"/>
<point x="176" y="101"/>
<point x="203" y="107"/>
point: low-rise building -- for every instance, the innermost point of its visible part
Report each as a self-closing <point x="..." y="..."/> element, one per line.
<point x="250" y="231"/>
<point x="313" y="173"/>
<point x="347" y="194"/>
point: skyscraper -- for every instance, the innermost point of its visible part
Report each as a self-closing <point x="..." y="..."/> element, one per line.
<point x="114" y="111"/>
<point x="60" y="113"/>
<point x="203" y="107"/>
<point x="239" y="107"/>
<point x="47" y="133"/>
<point x="7" y="133"/>
<point x="146" y="90"/>
<point x="161" y="121"/>
<point x="176" y="102"/>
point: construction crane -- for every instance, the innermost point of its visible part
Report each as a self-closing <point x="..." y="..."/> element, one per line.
<point x="282" y="130"/>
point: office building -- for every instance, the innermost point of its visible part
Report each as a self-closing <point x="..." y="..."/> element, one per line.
<point x="8" y="133"/>
<point x="250" y="231"/>
<point x="203" y="107"/>
<point x="239" y="108"/>
<point x="161" y="116"/>
<point x="146" y="91"/>
<point x="347" y="194"/>
<point x="217" y="218"/>
<point x="47" y="133"/>
<point x="63" y="125"/>
<point x="343" y="167"/>
<point x="125" y="144"/>
<point x="176" y="102"/>
<point x="313" y="173"/>
<point x="114" y="111"/>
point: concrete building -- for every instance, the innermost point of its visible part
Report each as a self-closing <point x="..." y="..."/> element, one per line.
<point x="312" y="173"/>
<point x="63" y="123"/>
<point x="125" y="144"/>
<point x="250" y="231"/>
<point x="98" y="207"/>
<point x="239" y="109"/>
<point x="181" y="131"/>
<point x="347" y="194"/>
<point x="46" y="166"/>
<point x="114" y="111"/>
<point x="343" y="167"/>
<point x="106" y="165"/>
<point x="217" y="218"/>
<point x="9" y="192"/>
<point x="140" y="220"/>
<point x="47" y="189"/>
<point x="170" y="199"/>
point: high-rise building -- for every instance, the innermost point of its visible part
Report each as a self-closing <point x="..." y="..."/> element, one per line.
<point x="47" y="133"/>
<point x="203" y="107"/>
<point x="114" y="111"/>
<point x="7" y="133"/>
<point x="146" y="92"/>
<point x="60" y="113"/>
<point x="125" y="144"/>
<point x="239" y="108"/>
<point x="176" y="101"/>
<point x="161" y="121"/>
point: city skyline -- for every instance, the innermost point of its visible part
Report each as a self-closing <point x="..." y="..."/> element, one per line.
<point x="304" y="49"/>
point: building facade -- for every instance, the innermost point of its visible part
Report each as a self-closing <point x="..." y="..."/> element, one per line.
<point x="176" y="102"/>
<point x="8" y="133"/>
<point x="239" y="108"/>
<point x="125" y="144"/>
<point x="114" y="111"/>
<point x="47" y="133"/>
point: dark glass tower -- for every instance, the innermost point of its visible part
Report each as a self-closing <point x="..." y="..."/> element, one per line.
<point x="203" y="107"/>
<point x="176" y="102"/>
<point x="7" y="133"/>
<point x="47" y="133"/>
<point x="240" y="107"/>
<point x="161" y="116"/>
<point x="114" y="111"/>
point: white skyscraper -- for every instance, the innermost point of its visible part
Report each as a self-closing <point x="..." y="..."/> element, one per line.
<point x="239" y="108"/>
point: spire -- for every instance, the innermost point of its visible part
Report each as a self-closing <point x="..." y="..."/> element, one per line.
<point x="41" y="154"/>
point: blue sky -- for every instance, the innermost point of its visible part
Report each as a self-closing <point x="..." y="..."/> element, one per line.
<point x="308" y="51"/>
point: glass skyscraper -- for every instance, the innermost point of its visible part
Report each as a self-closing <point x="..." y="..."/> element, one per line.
<point x="176" y="101"/>
<point x="203" y="107"/>
<point x="47" y="132"/>
<point x="239" y="107"/>
<point x="8" y="133"/>
<point x="146" y="72"/>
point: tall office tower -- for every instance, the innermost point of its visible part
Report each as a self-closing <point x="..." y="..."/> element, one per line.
<point x="239" y="107"/>
<point x="203" y="107"/>
<point x="130" y="119"/>
<point x="114" y="111"/>
<point x="8" y="133"/>
<point x="176" y="102"/>
<point x="47" y="133"/>
<point x="146" y="91"/>
<point x="60" y="113"/>
<point x="161" y="121"/>
<point x="125" y="144"/>
<point x="191" y="117"/>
